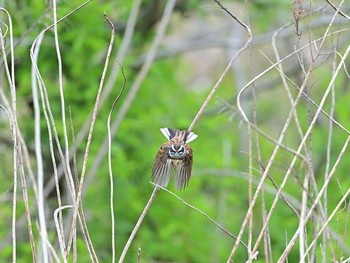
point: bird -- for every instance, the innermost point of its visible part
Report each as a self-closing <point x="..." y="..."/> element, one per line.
<point x="176" y="154"/>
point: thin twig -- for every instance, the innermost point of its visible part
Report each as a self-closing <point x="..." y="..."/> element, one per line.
<point x="203" y="213"/>
<point x="139" y="255"/>
<point x="271" y="190"/>
<point x="328" y="157"/>
<point x="238" y="240"/>
<point x="228" y="67"/>
<point x="46" y="108"/>
<point x="17" y="152"/>
<point x="205" y="40"/>
<point x="45" y="99"/>
<point x="276" y="148"/>
<point x="91" y="130"/>
<point x="39" y="157"/>
<point x="138" y="224"/>
<point x="312" y="123"/>
<point x="75" y="172"/>
<point x="60" y="86"/>
<point x="337" y="9"/>
<point x="250" y="148"/>
<point x="128" y="100"/>
<point x="48" y="113"/>
<point x="287" y="250"/>
<point x="325" y="185"/>
<point x="282" y="195"/>
<point x="108" y="87"/>
<point x="60" y="233"/>
<point x="137" y="83"/>
<point x="82" y="220"/>
<point x="111" y="181"/>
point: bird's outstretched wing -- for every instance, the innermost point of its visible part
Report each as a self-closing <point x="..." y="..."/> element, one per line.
<point x="161" y="167"/>
<point x="183" y="171"/>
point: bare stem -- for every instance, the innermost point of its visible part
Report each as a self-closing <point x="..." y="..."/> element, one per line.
<point x="91" y="130"/>
<point x="228" y="67"/>
<point x="203" y="213"/>
<point x="111" y="181"/>
<point x="138" y="224"/>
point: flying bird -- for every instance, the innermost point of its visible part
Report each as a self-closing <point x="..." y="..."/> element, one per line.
<point x="176" y="154"/>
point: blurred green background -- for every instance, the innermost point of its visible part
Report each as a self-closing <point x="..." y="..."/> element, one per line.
<point x="199" y="43"/>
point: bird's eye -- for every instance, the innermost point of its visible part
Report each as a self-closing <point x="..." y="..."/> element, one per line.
<point x="172" y="149"/>
<point x="181" y="150"/>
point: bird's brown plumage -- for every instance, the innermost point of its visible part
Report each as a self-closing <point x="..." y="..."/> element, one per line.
<point x="171" y="155"/>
